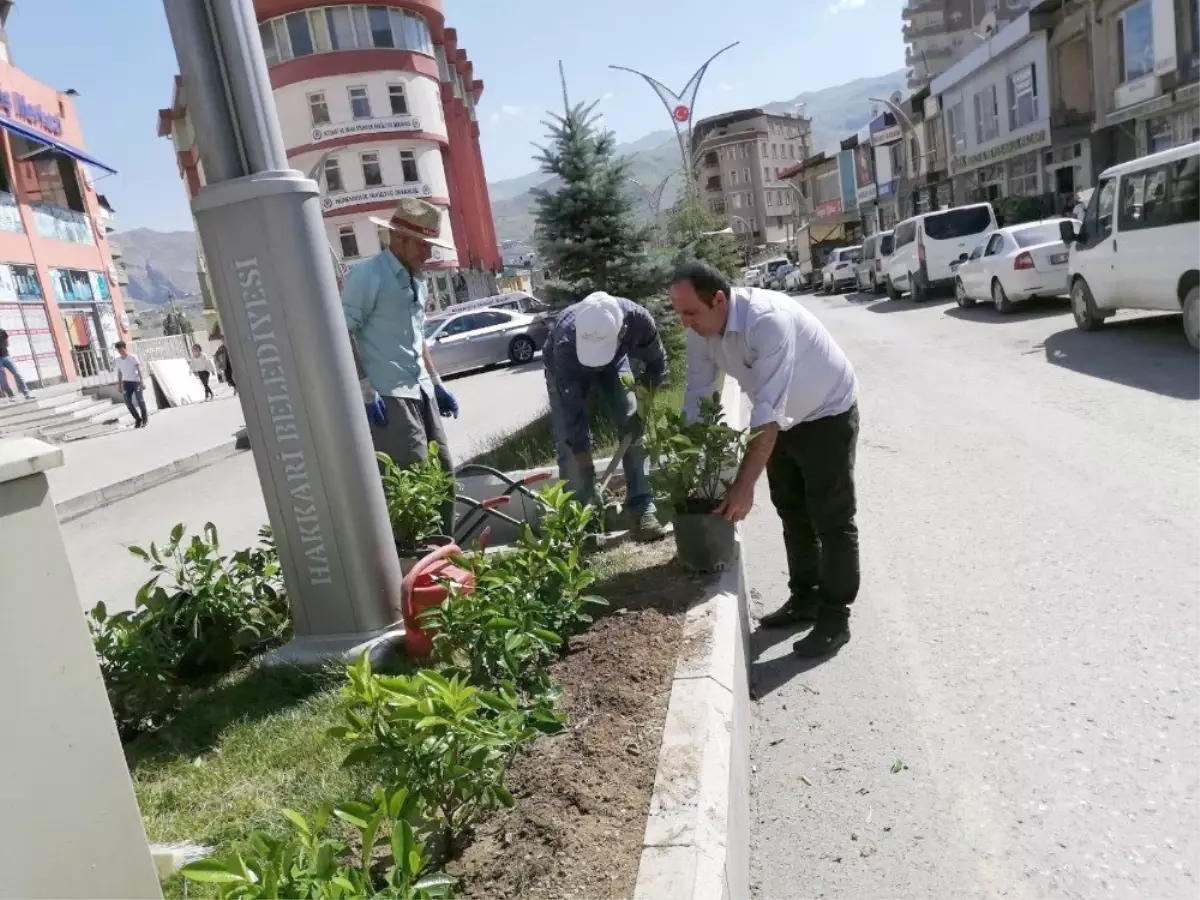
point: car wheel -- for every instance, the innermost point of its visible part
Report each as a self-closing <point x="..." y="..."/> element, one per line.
<point x="521" y="349"/>
<point x="1083" y="307"/>
<point x="916" y="290"/>
<point x="1191" y="316"/>
<point x="960" y="295"/>
<point x="892" y="293"/>
<point x="1000" y="299"/>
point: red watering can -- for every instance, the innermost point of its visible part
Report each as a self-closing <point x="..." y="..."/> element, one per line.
<point x="424" y="588"/>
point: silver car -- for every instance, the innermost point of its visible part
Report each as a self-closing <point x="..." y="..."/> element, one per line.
<point x="481" y="337"/>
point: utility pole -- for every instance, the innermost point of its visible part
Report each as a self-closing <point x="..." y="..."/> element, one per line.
<point x="274" y="285"/>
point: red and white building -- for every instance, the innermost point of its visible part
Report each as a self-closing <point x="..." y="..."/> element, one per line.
<point x="385" y="91"/>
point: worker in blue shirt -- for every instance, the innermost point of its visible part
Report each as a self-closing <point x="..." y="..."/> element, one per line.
<point x="384" y="301"/>
<point x="589" y="348"/>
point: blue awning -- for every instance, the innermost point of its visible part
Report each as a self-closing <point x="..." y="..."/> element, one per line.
<point x="40" y="138"/>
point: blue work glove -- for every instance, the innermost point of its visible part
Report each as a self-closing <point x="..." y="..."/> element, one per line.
<point x="376" y="408"/>
<point x="447" y="405"/>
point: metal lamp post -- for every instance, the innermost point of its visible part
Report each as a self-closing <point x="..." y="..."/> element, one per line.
<point x="680" y="108"/>
<point x="274" y="284"/>
<point x="749" y="232"/>
<point x="909" y="131"/>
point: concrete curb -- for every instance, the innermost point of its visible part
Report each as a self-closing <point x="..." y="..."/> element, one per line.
<point x="112" y="493"/>
<point x="697" y="842"/>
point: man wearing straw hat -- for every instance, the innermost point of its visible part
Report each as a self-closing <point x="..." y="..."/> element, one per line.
<point x="384" y="300"/>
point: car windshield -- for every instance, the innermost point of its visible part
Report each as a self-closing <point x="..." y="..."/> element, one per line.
<point x="885" y="244"/>
<point x="1038" y="234"/>
<point x="854" y="255"/>
<point x="956" y="223"/>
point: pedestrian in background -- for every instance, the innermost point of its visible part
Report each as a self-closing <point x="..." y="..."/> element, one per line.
<point x="225" y="366"/>
<point x="7" y="363"/>
<point x="203" y="367"/>
<point x="803" y="433"/>
<point x="129" y="371"/>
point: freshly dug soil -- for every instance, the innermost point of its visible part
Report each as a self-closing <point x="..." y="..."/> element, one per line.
<point x="582" y="796"/>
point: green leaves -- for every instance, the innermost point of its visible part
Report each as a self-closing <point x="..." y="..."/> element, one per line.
<point x="415" y="497"/>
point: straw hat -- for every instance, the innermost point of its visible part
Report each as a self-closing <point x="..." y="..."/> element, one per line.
<point x="419" y="218"/>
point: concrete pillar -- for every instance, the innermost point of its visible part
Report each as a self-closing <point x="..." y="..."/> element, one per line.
<point x="71" y="825"/>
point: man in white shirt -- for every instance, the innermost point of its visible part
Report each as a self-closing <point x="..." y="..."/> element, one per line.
<point x="129" y="371"/>
<point x="202" y="368"/>
<point x="804" y="431"/>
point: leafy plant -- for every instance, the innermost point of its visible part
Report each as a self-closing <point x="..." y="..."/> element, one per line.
<point x="415" y="497"/>
<point x="696" y="462"/>
<point x="212" y="613"/>
<point x="447" y="741"/>
<point x="311" y="863"/>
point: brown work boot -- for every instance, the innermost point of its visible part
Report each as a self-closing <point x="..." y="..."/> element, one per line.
<point x="648" y="529"/>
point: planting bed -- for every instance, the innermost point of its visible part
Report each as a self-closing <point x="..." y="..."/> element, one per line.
<point x="582" y="796"/>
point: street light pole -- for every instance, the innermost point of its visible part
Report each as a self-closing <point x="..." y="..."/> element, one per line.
<point x="749" y="232"/>
<point x="274" y="285"/>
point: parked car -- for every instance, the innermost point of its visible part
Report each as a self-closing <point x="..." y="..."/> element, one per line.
<point x="926" y="244"/>
<point x="1014" y="264"/>
<point x="752" y="277"/>
<point x="482" y="337"/>
<point x="795" y="280"/>
<point x="1137" y="245"/>
<point x="869" y="272"/>
<point x="779" y="279"/>
<point x="840" y="270"/>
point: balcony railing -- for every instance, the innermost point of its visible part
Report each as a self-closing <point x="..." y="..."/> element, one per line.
<point x="61" y="224"/>
<point x="10" y="214"/>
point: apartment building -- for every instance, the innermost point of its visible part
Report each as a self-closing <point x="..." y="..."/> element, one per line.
<point x="739" y="158"/>
<point x="938" y="32"/>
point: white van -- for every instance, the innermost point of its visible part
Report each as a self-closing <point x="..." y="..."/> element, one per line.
<point x="875" y="251"/>
<point x="1139" y="244"/>
<point x="927" y="244"/>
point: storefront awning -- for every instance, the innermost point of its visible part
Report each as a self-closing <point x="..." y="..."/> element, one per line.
<point x="53" y="143"/>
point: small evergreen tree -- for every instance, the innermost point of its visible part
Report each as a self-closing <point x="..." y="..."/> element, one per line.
<point x="586" y="232"/>
<point x="696" y="233"/>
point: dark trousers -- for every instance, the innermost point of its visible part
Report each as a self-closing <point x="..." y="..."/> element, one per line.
<point x="204" y="381"/>
<point x="135" y="400"/>
<point x="811" y="477"/>
<point x="412" y="424"/>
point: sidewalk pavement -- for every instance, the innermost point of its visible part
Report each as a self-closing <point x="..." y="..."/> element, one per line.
<point x="102" y="470"/>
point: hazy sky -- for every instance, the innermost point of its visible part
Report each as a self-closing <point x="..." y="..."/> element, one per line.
<point x="118" y="55"/>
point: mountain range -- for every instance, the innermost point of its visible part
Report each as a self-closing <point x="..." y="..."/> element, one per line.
<point x="836" y="112"/>
<point x="162" y="265"/>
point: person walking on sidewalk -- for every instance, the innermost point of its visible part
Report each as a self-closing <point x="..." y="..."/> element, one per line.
<point x="7" y="363"/>
<point x="203" y="367"/>
<point x="803" y="432"/>
<point x="129" y="371"/>
<point x="383" y="301"/>
<point x="588" y="348"/>
<point x="225" y="366"/>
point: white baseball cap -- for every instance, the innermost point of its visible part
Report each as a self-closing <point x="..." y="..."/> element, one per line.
<point x="598" y="324"/>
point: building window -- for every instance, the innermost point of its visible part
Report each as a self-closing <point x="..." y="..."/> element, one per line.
<point x="372" y="176"/>
<point x="320" y="31"/>
<point x="341" y="28"/>
<point x="764" y="149"/>
<point x="1135" y="41"/>
<point x="333" y="176"/>
<point x="1160" y="134"/>
<point x="360" y="103"/>
<point x="750" y="199"/>
<point x="349" y="241"/>
<point x="987" y="115"/>
<point x="774" y="151"/>
<point x="318" y="108"/>
<point x="746" y="174"/>
<point x="408" y="165"/>
<point x="266" y="32"/>
<point x="766" y="174"/>
<point x="956" y="127"/>
<point x="398" y="100"/>
<point x="737" y="201"/>
<point x="1023" y="175"/>
<point x="381" y="26"/>
<point x="298" y="34"/>
<point x="770" y="199"/>
<point x="1022" y="97"/>
<point x="733" y="176"/>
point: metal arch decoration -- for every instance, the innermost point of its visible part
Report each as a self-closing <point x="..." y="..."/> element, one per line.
<point x="681" y="106"/>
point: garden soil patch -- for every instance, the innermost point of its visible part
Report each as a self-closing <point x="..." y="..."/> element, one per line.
<point x="583" y="796"/>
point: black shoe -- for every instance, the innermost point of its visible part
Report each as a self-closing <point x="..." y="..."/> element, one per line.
<point x="137" y="424"/>
<point x="796" y="611"/>
<point x="824" y="640"/>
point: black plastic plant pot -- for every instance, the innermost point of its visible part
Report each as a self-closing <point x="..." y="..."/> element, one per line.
<point x="705" y="542"/>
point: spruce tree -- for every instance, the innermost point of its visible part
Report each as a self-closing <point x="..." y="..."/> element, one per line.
<point x="587" y="234"/>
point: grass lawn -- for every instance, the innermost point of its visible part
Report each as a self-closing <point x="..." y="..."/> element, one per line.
<point x="237" y="755"/>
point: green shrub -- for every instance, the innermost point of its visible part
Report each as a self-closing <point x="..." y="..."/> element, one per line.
<point x="310" y="863"/>
<point x="212" y="613"/>
<point x="415" y="497"/>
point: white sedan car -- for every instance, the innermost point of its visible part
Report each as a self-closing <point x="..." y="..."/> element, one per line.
<point x="840" y="270"/>
<point x="1012" y="264"/>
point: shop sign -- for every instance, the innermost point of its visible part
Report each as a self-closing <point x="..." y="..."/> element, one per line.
<point x="334" y="202"/>
<point x="866" y="194"/>
<point x="1147" y="108"/>
<point x="888" y="135"/>
<point x="999" y="151"/>
<point x="15" y="105"/>
<point x="887" y="189"/>
<point x="324" y="133"/>
<point x="830" y="209"/>
<point x="1136" y="92"/>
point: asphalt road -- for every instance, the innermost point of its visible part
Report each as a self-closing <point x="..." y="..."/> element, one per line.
<point x="492" y="403"/>
<point x="1018" y="711"/>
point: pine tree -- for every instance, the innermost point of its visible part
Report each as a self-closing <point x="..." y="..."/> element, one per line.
<point x="587" y="234"/>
